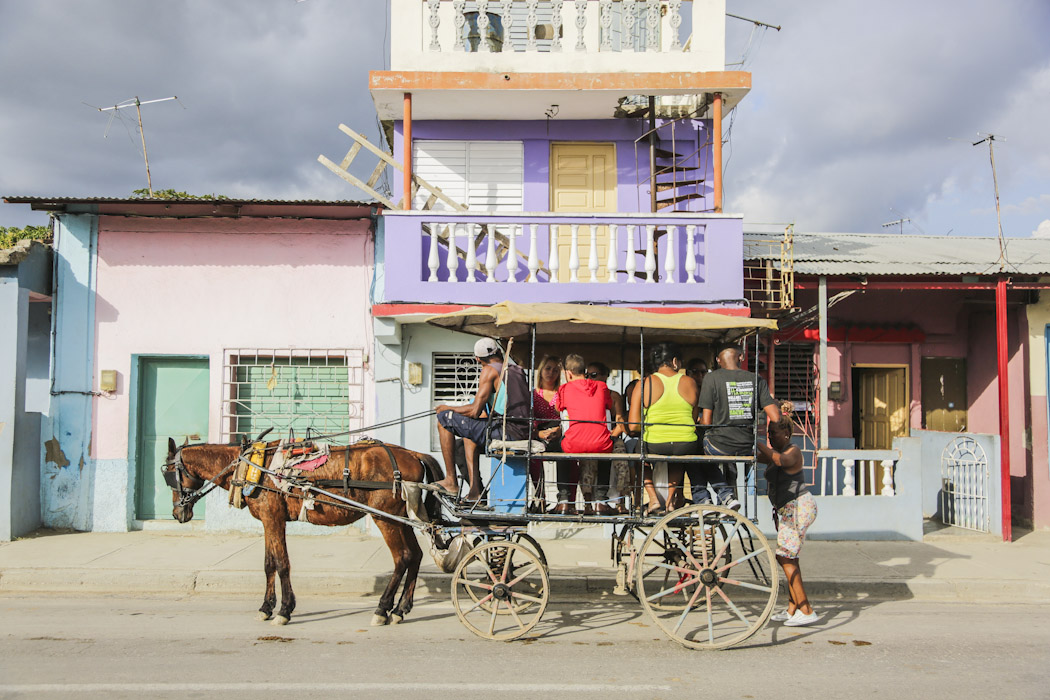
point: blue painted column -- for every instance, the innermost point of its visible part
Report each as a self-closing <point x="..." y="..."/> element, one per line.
<point x="68" y="470"/>
<point x="14" y="308"/>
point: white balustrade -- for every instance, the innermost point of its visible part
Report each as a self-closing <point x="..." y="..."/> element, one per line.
<point x="592" y="257"/>
<point x="610" y="261"/>
<point x="453" y="256"/>
<point x="574" y="253"/>
<point x="483" y="26"/>
<point x="534" y="254"/>
<point x="434" y="20"/>
<point x="629" y="263"/>
<point x="652" y="25"/>
<point x="629" y="20"/>
<point x="556" y="24"/>
<point x="650" y="253"/>
<point x="512" y="254"/>
<point x="887" y="477"/>
<point x="530" y="24"/>
<point x="675" y="10"/>
<point x="459" y="20"/>
<point x="847" y="478"/>
<point x="690" y="254"/>
<point x="581" y="24"/>
<point x="432" y="259"/>
<point x="555" y="255"/>
<point x="472" y="254"/>
<point x="670" y="262"/>
<point x="491" y="259"/>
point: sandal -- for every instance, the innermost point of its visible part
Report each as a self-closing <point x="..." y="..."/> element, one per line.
<point x="657" y="512"/>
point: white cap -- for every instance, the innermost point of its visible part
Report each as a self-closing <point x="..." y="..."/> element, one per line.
<point x="486" y="347"/>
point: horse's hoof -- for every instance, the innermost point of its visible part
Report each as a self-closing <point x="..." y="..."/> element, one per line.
<point x="263" y="616"/>
<point x="279" y="621"/>
<point x="379" y="620"/>
<point x="396" y="619"/>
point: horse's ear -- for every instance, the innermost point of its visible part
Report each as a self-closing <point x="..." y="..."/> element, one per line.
<point x="171" y="448"/>
<point x="244" y="443"/>
<point x="186" y="441"/>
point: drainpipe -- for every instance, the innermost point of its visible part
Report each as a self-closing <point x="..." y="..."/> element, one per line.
<point x="407" y="159"/>
<point x="1001" y="346"/>
<point x="822" y="304"/>
<point x="716" y="146"/>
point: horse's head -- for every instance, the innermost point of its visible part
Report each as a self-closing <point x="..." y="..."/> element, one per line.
<point x="183" y="484"/>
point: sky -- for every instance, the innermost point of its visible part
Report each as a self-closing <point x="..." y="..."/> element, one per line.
<point x="860" y="113"/>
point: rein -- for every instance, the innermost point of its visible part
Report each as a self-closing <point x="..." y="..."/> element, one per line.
<point x="200" y="487"/>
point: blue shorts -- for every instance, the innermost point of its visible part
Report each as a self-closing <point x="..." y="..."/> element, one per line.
<point x="472" y="429"/>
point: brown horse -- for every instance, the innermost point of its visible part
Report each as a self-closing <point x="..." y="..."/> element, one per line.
<point x="190" y="467"/>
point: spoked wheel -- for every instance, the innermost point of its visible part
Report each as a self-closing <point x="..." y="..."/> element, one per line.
<point x="500" y="590"/>
<point x="495" y="562"/>
<point x="720" y="585"/>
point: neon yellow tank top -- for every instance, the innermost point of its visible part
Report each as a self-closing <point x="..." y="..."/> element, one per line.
<point x="671" y="409"/>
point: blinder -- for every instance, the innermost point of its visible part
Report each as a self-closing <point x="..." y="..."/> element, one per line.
<point x="173" y="478"/>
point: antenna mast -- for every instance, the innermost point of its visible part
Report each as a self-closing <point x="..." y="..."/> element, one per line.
<point x="991" y="139"/>
<point x="142" y="134"/>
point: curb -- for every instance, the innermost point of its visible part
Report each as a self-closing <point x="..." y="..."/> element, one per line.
<point x="432" y="584"/>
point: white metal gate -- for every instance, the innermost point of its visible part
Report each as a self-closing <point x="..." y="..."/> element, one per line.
<point x="965" y="485"/>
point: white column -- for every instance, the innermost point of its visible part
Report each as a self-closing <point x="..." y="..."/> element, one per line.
<point x="650" y="253"/>
<point x="458" y="21"/>
<point x="581" y="24"/>
<point x="847" y="478"/>
<point x="670" y="262"/>
<point x="574" y="253"/>
<point x="556" y="21"/>
<point x="592" y="257"/>
<point x="512" y="253"/>
<point x="483" y="26"/>
<point x="887" y="477"/>
<point x="534" y="254"/>
<point x="434" y="20"/>
<point x="555" y="264"/>
<point x="690" y="254"/>
<point x="530" y="24"/>
<point x="610" y="261"/>
<point x="432" y="259"/>
<point x="627" y="33"/>
<point x="490" y="258"/>
<point x="629" y="262"/>
<point x="472" y="254"/>
<point x="452" y="261"/>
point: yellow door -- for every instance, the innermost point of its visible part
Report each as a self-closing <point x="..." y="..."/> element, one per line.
<point x="882" y="395"/>
<point x="583" y="179"/>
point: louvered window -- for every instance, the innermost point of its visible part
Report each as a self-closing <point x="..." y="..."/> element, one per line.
<point x="292" y="389"/>
<point x="793" y="376"/>
<point x="483" y="175"/>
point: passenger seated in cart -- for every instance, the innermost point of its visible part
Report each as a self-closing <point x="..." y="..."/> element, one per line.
<point x="620" y="478"/>
<point x="502" y="390"/>
<point x="585" y="403"/>
<point x="668" y="401"/>
<point x="547" y="423"/>
<point x="728" y="398"/>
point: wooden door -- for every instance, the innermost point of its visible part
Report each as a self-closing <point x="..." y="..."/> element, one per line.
<point x="882" y="400"/>
<point x="944" y="394"/>
<point x="173" y="402"/>
<point x="583" y="179"/>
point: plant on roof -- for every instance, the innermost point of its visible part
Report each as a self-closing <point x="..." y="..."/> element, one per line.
<point x="173" y="194"/>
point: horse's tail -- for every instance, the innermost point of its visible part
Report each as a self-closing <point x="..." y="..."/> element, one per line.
<point x="434" y="473"/>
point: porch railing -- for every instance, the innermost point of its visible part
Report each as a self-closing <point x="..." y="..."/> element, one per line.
<point x="684" y="257"/>
<point x="855" y="472"/>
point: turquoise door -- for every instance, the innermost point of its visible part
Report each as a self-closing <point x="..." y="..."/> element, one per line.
<point x="173" y="402"/>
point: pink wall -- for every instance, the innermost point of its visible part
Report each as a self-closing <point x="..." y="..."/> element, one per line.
<point x="199" y="286"/>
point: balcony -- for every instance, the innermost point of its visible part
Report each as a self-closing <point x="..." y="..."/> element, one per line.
<point x="553" y="50"/>
<point x="604" y="258"/>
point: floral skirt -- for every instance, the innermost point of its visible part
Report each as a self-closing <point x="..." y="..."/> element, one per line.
<point x="794" y="519"/>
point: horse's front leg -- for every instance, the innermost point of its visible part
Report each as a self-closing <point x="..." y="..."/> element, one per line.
<point x="415" y="558"/>
<point x="277" y="550"/>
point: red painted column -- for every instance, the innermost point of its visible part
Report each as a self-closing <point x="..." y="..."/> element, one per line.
<point x="407" y="159"/>
<point x="1002" y="347"/>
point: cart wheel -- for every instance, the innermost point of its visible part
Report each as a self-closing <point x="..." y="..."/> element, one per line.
<point x="500" y="590"/>
<point x="495" y="562"/>
<point x="722" y="577"/>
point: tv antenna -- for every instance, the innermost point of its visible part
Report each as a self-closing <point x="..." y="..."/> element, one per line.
<point x="137" y="104"/>
<point x="990" y="139"/>
<point x="897" y="222"/>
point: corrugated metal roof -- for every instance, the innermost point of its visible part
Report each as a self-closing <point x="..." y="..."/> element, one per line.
<point x="13" y="199"/>
<point x="880" y="254"/>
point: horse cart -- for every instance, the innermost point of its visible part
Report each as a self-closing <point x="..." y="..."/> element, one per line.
<point x="705" y="574"/>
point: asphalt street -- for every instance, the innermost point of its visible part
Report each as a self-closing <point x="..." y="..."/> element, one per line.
<point x="200" y="646"/>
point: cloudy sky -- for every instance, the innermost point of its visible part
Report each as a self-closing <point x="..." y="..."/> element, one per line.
<point x="861" y="112"/>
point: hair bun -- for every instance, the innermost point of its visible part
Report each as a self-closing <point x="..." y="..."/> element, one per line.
<point x="787" y="408"/>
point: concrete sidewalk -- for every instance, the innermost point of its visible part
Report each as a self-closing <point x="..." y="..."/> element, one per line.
<point x="948" y="566"/>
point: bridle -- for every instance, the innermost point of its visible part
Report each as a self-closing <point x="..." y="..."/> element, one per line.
<point x="174" y="471"/>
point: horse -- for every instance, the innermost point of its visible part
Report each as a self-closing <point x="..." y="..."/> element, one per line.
<point x="191" y="467"/>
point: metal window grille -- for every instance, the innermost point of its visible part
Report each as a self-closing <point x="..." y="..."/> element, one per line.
<point x="291" y="389"/>
<point x="454" y="382"/>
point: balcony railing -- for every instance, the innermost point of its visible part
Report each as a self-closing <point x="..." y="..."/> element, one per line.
<point x="856" y="472"/>
<point x="530" y="35"/>
<point x="478" y="257"/>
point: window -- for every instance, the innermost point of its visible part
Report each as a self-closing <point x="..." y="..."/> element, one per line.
<point x="794" y="377"/>
<point x="292" y="389"/>
<point x="454" y="382"/>
<point x="483" y="175"/>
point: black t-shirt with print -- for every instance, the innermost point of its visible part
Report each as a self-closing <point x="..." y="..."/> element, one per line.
<point x="730" y="394"/>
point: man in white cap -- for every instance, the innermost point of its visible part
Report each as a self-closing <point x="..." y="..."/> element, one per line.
<point x="470" y="422"/>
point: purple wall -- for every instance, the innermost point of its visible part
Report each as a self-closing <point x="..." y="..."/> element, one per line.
<point x="538" y="135"/>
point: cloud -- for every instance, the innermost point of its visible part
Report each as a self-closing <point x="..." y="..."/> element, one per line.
<point x="1042" y="230"/>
